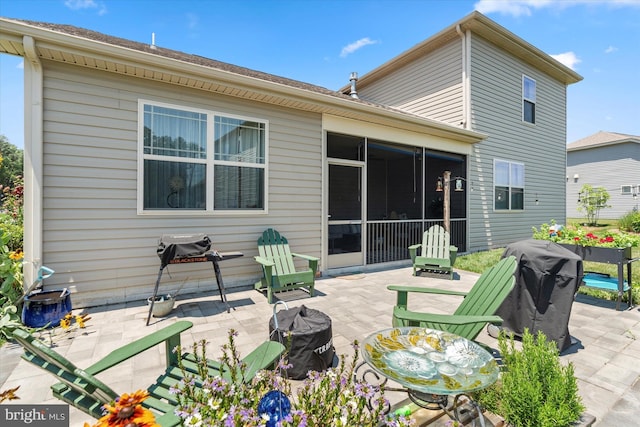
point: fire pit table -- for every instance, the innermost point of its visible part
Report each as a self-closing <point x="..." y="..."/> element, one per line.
<point x="431" y="365"/>
<point x="187" y="249"/>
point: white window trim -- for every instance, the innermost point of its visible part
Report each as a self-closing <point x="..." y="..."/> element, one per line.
<point x="209" y="211"/>
<point x="524" y="78"/>
<point x="628" y="188"/>
<point x="510" y="162"/>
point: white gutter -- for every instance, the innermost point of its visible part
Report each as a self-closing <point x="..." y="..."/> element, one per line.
<point x="466" y="75"/>
<point x="33" y="160"/>
<point x="54" y="40"/>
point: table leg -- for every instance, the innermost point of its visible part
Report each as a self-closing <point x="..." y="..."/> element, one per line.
<point x="459" y="410"/>
<point x="364" y="373"/>
<point x="223" y="297"/>
<point x="155" y="293"/>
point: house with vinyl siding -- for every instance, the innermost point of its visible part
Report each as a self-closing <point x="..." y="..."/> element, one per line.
<point x="126" y="142"/>
<point x="605" y="159"/>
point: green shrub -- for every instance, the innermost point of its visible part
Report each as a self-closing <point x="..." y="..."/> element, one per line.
<point x="630" y="222"/>
<point x="534" y="389"/>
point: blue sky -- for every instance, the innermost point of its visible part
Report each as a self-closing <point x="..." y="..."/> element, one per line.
<point x="323" y="41"/>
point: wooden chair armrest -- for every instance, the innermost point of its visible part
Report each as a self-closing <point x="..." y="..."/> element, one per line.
<point x="414" y="247"/>
<point x="307" y="257"/>
<point x="169" y="335"/>
<point x="262" y="357"/>
<point x="264" y="261"/>
<point x="448" y="319"/>
<point x="419" y="289"/>
<point x="313" y="261"/>
<point x="464" y="319"/>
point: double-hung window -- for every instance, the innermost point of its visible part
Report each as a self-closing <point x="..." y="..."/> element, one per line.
<point x="508" y="185"/>
<point x="528" y="99"/>
<point x="196" y="160"/>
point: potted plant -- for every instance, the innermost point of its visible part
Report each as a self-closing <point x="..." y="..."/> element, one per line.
<point x="534" y="388"/>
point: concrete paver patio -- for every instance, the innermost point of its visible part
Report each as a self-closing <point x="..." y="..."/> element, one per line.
<point x="606" y="355"/>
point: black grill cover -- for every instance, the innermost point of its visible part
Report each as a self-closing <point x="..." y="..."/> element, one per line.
<point x="174" y="246"/>
<point x="308" y="337"/>
<point x="547" y="279"/>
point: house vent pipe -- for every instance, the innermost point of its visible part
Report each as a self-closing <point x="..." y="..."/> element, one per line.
<point x="153" y="41"/>
<point x="353" y="78"/>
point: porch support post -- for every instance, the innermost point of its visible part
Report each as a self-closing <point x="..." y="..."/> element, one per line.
<point x="447" y="199"/>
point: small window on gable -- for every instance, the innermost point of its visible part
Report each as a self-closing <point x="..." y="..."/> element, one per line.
<point x="528" y="100"/>
<point x="625" y="189"/>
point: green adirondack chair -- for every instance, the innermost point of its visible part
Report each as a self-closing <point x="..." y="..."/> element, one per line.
<point x="477" y="309"/>
<point x="278" y="268"/>
<point x="81" y="389"/>
<point x="436" y="252"/>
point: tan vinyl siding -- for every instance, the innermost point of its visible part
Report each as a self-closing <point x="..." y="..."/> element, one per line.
<point x="430" y="86"/>
<point x="496" y="109"/>
<point x="93" y="237"/>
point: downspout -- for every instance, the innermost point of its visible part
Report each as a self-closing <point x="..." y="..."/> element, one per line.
<point x="466" y="85"/>
<point x="466" y="112"/>
<point x="33" y="160"/>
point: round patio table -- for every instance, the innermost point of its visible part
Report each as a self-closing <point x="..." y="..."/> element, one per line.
<point x="431" y="365"/>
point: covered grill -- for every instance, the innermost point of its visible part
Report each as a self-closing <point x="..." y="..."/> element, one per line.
<point x="547" y="279"/>
<point x="186" y="249"/>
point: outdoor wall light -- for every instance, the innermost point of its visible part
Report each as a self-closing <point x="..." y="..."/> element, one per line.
<point x="458" y="183"/>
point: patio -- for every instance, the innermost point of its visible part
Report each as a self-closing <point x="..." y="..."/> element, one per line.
<point x="605" y="356"/>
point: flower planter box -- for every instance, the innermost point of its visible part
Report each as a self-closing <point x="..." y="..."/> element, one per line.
<point x="618" y="256"/>
<point x="599" y="254"/>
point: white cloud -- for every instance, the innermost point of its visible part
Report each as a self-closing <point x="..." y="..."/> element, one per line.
<point x="610" y="49"/>
<point x="526" y="7"/>
<point x="192" y="21"/>
<point x="80" y="4"/>
<point x="20" y="65"/>
<point x="514" y="7"/>
<point x="86" y="4"/>
<point x="352" y="47"/>
<point x="568" y="58"/>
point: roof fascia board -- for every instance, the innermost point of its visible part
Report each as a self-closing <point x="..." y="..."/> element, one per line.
<point x="96" y="49"/>
<point x="605" y="144"/>
<point x="481" y="25"/>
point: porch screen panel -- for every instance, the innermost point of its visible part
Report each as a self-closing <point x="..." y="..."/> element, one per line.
<point x="394" y="181"/>
<point x="437" y="163"/>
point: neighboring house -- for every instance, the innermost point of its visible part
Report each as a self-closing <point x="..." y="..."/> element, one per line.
<point x="125" y="142"/>
<point x="609" y="160"/>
